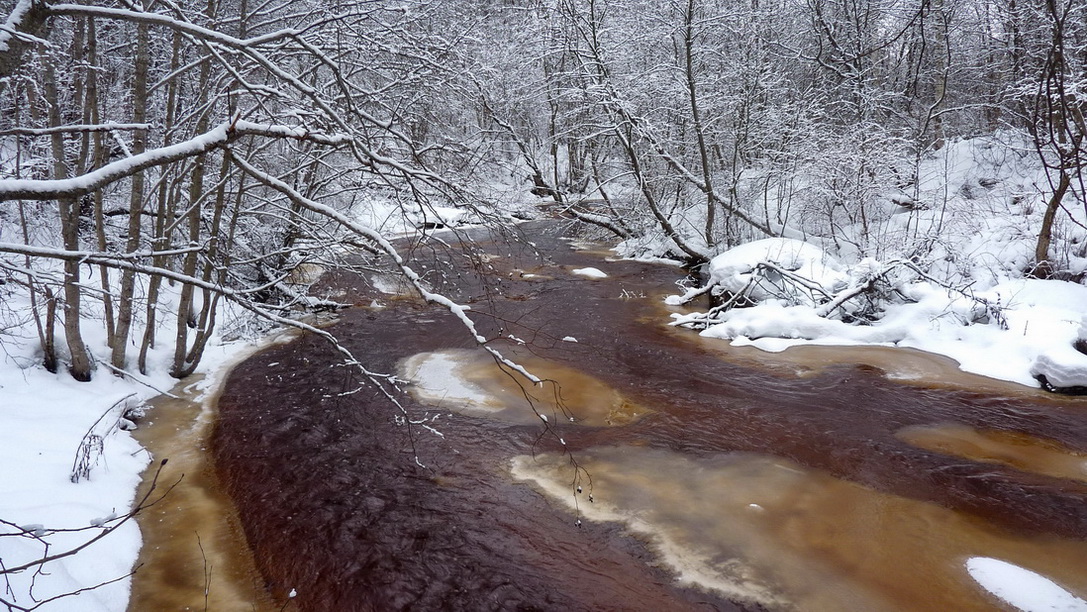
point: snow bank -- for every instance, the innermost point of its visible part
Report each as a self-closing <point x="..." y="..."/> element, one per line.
<point x="1043" y="320"/>
<point x="43" y="419"/>
<point x="949" y="255"/>
<point x="732" y="270"/>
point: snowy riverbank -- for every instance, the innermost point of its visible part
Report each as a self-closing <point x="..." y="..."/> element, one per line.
<point x="45" y="419"/>
<point x="945" y="269"/>
<point x="1016" y="330"/>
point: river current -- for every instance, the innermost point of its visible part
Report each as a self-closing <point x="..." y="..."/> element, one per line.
<point x="661" y="472"/>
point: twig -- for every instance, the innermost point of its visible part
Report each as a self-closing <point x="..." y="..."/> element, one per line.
<point x="207" y="570"/>
<point x="135" y="378"/>
<point x="140" y="507"/>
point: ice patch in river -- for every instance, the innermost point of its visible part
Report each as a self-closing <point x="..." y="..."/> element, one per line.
<point x="437" y="379"/>
<point x="470" y="381"/>
<point x="392" y="284"/>
<point x="1022" y="588"/>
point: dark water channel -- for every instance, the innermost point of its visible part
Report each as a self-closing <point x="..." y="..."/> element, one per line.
<point x="719" y="481"/>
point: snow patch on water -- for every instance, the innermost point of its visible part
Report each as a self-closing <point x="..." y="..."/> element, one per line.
<point x="590" y="272"/>
<point x="1022" y="588"/>
<point x="436" y="378"/>
<point x="690" y="566"/>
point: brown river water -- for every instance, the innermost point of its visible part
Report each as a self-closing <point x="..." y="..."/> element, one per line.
<point x="671" y="472"/>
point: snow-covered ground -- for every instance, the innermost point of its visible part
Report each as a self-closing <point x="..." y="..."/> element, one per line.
<point x="948" y="277"/>
<point x="1013" y="330"/>
<point x="44" y="421"/>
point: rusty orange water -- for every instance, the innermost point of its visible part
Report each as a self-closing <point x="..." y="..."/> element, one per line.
<point x="773" y="533"/>
<point x="471" y="381"/>
<point x="1015" y="449"/>
<point x="194" y="555"/>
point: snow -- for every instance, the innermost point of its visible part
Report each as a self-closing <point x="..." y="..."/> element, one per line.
<point x="437" y="377"/>
<point x="1022" y="588"/>
<point x="977" y="243"/>
<point x="1044" y="319"/>
<point x="46" y="189"/>
<point x="732" y="270"/>
<point x="43" y="418"/>
<point x="590" y="272"/>
<point x="953" y="268"/>
<point x="11" y="24"/>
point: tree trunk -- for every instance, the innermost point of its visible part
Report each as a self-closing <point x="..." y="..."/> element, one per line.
<point x="98" y="158"/>
<point x="206" y="321"/>
<point x="81" y="364"/>
<point x="185" y="308"/>
<point x="696" y="118"/>
<point x="167" y="204"/>
<point x="45" y="333"/>
<point x="1043" y="267"/>
<point x="119" y="341"/>
<point x="941" y="68"/>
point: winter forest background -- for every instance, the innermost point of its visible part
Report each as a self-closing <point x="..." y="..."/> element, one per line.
<point x="160" y="158"/>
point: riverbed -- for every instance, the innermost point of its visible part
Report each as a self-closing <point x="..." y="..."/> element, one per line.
<point x="663" y="471"/>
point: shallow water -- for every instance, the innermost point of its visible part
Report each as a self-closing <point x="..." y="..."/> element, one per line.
<point x="194" y="554"/>
<point x="746" y="481"/>
<point x="471" y="381"/>
<point x="769" y="531"/>
<point x="1011" y="448"/>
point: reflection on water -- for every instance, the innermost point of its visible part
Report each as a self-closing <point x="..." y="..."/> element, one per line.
<point x="774" y="533"/>
<point x="194" y="554"/>
<point x="469" y="381"/>
<point x="1013" y="449"/>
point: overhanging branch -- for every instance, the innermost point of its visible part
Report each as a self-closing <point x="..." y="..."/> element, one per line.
<point x="225" y="133"/>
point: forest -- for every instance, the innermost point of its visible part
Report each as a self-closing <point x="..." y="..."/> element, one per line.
<point x="159" y="158"/>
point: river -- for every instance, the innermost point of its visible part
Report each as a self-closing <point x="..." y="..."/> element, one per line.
<point x="672" y="473"/>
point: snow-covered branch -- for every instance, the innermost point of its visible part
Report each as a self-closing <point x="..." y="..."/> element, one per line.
<point x="52" y="189"/>
<point x="21" y="28"/>
<point x="169" y="22"/>
<point x="68" y="129"/>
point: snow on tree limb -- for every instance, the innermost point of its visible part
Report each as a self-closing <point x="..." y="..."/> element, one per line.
<point x="170" y="22"/>
<point x="11" y="25"/>
<point x="64" y="129"/>
<point x="51" y="189"/>
<point x="21" y="28"/>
